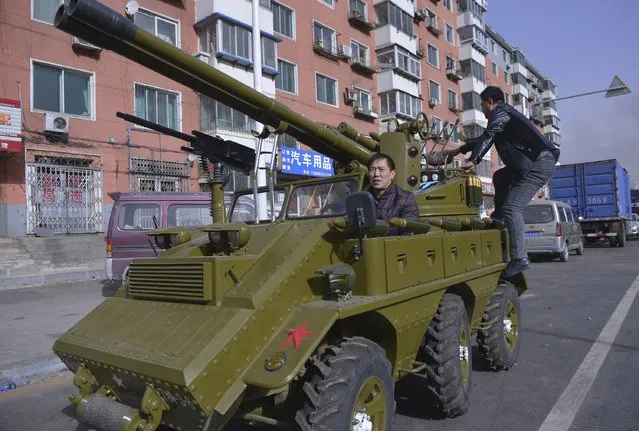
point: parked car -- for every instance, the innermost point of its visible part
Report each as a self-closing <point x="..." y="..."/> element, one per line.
<point x="552" y="228"/>
<point x="633" y="228"/>
<point x="133" y="214"/>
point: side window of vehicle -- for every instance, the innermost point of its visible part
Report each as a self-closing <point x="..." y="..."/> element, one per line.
<point x="188" y="215"/>
<point x="138" y="216"/>
<point x="562" y="215"/>
<point x="569" y="215"/>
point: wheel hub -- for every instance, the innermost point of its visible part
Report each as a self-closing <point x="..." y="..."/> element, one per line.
<point x="508" y="326"/>
<point x="463" y="353"/>
<point x="362" y="422"/>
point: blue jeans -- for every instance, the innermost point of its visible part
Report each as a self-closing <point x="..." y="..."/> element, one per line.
<point x="512" y="195"/>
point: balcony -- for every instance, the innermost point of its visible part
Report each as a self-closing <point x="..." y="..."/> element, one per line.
<point x="432" y="26"/>
<point x="368" y="112"/>
<point x="453" y="74"/>
<point x="363" y="65"/>
<point x="358" y="19"/>
<point x="455" y="109"/>
<point x="329" y="51"/>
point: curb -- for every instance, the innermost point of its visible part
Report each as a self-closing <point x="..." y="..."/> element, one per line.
<point x="17" y="282"/>
<point x="25" y="374"/>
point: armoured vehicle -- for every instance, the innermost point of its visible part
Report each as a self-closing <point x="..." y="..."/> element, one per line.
<point x="304" y="320"/>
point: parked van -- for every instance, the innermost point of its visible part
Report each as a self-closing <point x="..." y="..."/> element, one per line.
<point x="133" y="214"/>
<point x="552" y="228"/>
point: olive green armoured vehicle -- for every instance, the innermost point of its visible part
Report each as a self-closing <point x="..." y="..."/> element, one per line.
<point x="304" y="320"/>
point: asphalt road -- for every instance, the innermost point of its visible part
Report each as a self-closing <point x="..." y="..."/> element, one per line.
<point x="564" y="312"/>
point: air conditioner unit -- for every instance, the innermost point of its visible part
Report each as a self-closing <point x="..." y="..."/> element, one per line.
<point x="84" y="44"/>
<point x="56" y="123"/>
<point x="346" y="50"/>
<point x="350" y="95"/>
<point x="433" y="102"/>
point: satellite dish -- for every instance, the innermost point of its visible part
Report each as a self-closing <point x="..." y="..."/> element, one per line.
<point x="131" y="8"/>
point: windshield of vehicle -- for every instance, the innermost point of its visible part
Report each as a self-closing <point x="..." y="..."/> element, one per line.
<point x="244" y="208"/>
<point x="538" y="214"/>
<point x="320" y="200"/>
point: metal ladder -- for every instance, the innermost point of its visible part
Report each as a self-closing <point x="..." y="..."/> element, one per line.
<point x="269" y="167"/>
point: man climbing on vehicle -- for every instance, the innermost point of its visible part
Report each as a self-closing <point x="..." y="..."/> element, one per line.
<point x="529" y="160"/>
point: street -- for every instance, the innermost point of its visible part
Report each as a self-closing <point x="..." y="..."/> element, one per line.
<point x="572" y="352"/>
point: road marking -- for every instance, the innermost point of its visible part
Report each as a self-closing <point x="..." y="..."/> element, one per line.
<point x="566" y="408"/>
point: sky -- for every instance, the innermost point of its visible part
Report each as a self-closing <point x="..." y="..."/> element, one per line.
<point x="581" y="45"/>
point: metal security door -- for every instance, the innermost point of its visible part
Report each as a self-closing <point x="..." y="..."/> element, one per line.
<point x="64" y="199"/>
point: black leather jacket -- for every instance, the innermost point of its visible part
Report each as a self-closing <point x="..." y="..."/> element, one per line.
<point x="517" y="140"/>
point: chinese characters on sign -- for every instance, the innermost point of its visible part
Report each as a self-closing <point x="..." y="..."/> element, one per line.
<point x="303" y="162"/>
<point x="487" y="188"/>
<point x="10" y="126"/>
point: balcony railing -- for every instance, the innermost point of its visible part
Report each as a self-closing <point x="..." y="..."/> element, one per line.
<point x="431" y="25"/>
<point x="363" y="65"/>
<point x="365" y="111"/>
<point x="331" y="51"/>
<point x="454" y="74"/>
<point x="358" y="19"/>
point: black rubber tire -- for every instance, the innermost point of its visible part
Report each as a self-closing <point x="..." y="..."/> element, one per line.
<point x="490" y="338"/>
<point x="334" y="380"/>
<point x="621" y="237"/>
<point x="565" y="253"/>
<point x="440" y="352"/>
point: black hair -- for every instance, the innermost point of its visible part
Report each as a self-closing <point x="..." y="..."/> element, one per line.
<point x="382" y="156"/>
<point x="492" y="92"/>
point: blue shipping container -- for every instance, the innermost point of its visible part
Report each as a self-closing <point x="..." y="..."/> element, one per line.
<point x="595" y="190"/>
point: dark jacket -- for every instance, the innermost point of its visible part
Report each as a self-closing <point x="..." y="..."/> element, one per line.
<point x="516" y="138"/>
<point x="395" y="202"/>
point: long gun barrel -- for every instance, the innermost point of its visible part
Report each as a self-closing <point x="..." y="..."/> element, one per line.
<point x="104" y="27"/>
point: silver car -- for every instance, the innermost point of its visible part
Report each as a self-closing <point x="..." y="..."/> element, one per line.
<point x="552" y="228"/>
<point x="633" y="226"/>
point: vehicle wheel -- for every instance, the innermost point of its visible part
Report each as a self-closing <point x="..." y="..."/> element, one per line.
<point x="447" y="353"/>
<point x="563" y="255"/>
<point x="498" y="339"/>
<point x="621" y="237"/>
<point x="580" y="250"/>
<point x="348" y="385"/>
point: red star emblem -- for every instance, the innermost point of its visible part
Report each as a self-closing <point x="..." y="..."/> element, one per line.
<point x="296" y="336"/>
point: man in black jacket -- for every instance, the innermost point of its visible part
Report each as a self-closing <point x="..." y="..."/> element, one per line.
<point x="529" y="160"/>
<point x="390" y="199"/>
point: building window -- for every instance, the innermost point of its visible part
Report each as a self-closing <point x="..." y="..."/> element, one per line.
<point x="400" y="58"/>
<point x="157" y="105"/>
<point x="433" y="56"/>
<point x="286" y="140"/>
<point x="472" y="68"/>
<point x="358" y="6"/>
<point x="452" y="100"/>
<point x="398" y="102"/>
<point x="44" y="10"/>
<point x="363" y="99"/>
<point x="470" y="101"/>
<point x="507" y="98"/>
<point x="450" y="63"/>
<point x="484" y="169"/>
<point x="268" y="52"/>
<point x="215" y="115"/>
<point x="283" y="20"/>
<point x="331" y="3"/>
<point x="495" y="72"/>
<point x="450" y="34"/>
<point x="326" y="89"/>
<point x="504" y="55"/>
<point x="436" y="125"/>
<point x="452" y="133"/>
<point x="285" y="80"/>
<point x="505" y="77"/>
<point x="388" y="13"/>
<point x="359" y="53"/>
<point x="236" y="41"/>
<point x="163" y="28"/>
<point x="324" y="36"/>
<point x="448" y="4"/>
<point x="434" y="92"/>
<point x="67" y="91"/>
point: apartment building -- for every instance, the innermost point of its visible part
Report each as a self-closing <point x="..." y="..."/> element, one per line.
<point x="72" y="150"/>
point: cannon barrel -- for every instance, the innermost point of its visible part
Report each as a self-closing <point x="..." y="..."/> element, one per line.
<point x="104" y="27"/>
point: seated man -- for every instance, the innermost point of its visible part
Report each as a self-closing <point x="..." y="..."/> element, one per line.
<point x="390" y="200"/>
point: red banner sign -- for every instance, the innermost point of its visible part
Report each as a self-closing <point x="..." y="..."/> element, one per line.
<point x="10" y="126"/>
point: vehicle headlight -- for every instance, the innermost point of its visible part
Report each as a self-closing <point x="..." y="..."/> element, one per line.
<point x="216" y="239"/>
<point x="162" y="241"/>
<point x="340" y="279"/>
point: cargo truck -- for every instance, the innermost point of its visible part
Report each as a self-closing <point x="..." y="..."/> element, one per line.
<point x="599" y="194"/>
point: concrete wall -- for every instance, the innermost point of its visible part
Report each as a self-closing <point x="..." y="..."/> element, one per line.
<point x="13" y="220"/>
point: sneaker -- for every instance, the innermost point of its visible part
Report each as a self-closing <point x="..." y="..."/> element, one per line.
<point x="516" y="266"/>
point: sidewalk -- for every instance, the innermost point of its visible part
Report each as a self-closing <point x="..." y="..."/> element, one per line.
<point x="34" y="261"/>
<point x="33" y="318"/>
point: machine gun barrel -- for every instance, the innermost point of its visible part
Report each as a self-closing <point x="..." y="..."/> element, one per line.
<point x="100" y="25"/>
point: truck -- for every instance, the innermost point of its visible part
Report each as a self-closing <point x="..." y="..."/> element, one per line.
<point x="306" y="318"/>
<point x="599" y="194"/>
